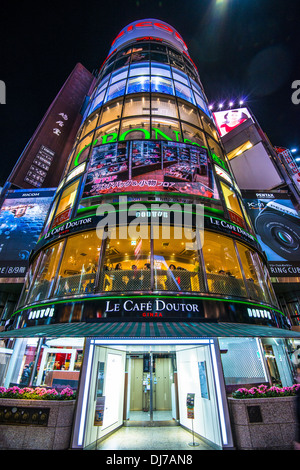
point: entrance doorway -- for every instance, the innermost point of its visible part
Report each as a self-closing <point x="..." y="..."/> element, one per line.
<point x="135" y="384"/>
<point x="152" y="394"/>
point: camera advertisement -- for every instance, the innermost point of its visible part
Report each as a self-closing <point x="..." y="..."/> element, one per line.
<point x="277" y="225"/>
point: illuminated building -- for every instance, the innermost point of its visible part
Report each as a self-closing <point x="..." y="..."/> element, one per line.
<point x="148" y="316"/>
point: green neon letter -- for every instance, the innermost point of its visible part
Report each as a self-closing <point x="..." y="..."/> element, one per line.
<point x="158" y="131"/>
<point x="146" y="132"/>
<point x="113" y="139"/>
<point x="76" y="162"/>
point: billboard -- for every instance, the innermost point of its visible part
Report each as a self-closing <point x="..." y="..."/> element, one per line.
<point x="228" y="120"/>
<point x="277" y="226"/>
<point x="22" y="216"/>
<point x="150" y="166"/>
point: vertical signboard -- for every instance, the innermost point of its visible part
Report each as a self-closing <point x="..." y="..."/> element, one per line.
<point x="277" y="225"/>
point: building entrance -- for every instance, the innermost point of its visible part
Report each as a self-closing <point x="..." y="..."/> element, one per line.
<point x="134" y="384"/>
<point x="152" y="389"/>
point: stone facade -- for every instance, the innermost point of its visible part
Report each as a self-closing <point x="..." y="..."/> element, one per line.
<point x="263" y="423"/>
<point x="55" y="436"/>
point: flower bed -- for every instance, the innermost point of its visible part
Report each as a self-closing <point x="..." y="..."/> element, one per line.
<point x="38" y="393"/>
<point x="55" y="406"/>
<point x="262" y="391"/>
<point x="264" y="418"/>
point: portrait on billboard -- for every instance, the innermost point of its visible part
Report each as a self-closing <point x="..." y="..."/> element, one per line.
<point x="277" y="225"/>
<point x="22" y="216"/>
<point x="228" y="120"/>
<point x="150" y="166"/>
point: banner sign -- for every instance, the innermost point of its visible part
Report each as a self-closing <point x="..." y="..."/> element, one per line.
<point x="277" y="225"/>
<point x="22" y="216"/>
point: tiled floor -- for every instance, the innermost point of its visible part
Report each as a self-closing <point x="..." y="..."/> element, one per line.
<point x="152" y="438"/>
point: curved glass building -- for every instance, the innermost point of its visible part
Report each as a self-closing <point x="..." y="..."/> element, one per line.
<point x="148" y="277"/>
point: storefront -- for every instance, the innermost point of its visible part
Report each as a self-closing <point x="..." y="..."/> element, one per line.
<point x="142" y="373"/>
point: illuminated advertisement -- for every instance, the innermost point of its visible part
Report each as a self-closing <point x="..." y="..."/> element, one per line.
<point x="277" y="225"/>
<point x="228" y="120"/>
<point x="150" y="166"/>
<point x="22" y="216"/>
<point x="288" y="161"/>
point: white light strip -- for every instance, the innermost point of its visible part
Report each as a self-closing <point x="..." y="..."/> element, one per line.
<point x="152" y="341"/>
<point x="85" y="396"/>
<point x="219" y="395"/>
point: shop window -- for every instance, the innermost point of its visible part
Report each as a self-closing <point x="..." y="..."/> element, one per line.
<point x="192" y="134"/>
<point x="253" y="272"/>
<point x="180" y="77"/>
<point x="165" y="129"/>
<point x="162" y="85"/>
<point x="138" y="84"/>
<point x="139" y="56"/>
<point x="242" y="363"/>
<point x="210" y="129"/>
<point x="126" y="264"/>
<point x="115" y="90"/>
<point x="29" y="280"/>
<point x="46" y="273"/>
<point x="160" y="70"/>
<point x="135" y="128"/>
<point x="278" y="362"/>
<point x="98" y="101"/>
<point x="188" y="113"/>
<point x="111" y="112"/>
<point x="79" y="265"/>
<point x="182" y="91"/>
<point x="136" y="105"/>
<point x="120" y="74"/>
<point x="121" y="62"/>
<point x="142" y="69"/>
<point x="82" y="150"/>
<point x="106" y="134"/>
<point x="164" y="106"/>
<point x="90" y="125"/>
<point x="233" y="205"/>
<point x="176" y="263"/>
<point x="158" y="47"/>
<point x="222" y="267"/>
<point x="159" y="57"/>
<point x="65" y="205"/>
<point x="174" y="54"/>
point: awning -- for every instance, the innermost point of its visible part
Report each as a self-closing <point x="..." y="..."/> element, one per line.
<point x="146" y="330"/>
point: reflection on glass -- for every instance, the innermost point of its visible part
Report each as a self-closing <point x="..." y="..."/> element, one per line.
<point x="115" y="90"/>
<point x="79" y="264"/>
<point x="253" y="273"/>
<point x="138" y="84"/>
<point x="65" y="205"/>
<point x="161" y="85"/>
<point x="222" y="267"/>
<point x="46" y="273"/>
<point x="233" y="205"/>
<point x="163" y="106"/>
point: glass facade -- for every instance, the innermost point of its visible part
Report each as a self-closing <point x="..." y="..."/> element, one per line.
<point x="123" y="231"/>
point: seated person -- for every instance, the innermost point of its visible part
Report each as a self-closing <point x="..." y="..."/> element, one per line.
<point x="134" y="282"/>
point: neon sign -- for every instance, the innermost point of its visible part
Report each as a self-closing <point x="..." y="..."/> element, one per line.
<point x="151" y="24"/>
<point x="113" y="137"/>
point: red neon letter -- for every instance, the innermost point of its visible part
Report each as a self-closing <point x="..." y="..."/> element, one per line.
<point x="163" y="26"/>
<point x="119" y="35"/>
<point x="143" y="24"/>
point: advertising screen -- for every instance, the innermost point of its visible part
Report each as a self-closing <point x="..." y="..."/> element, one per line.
<point x="22" y="215"/>
<point x="150" y="166"/>
<point x="230" y="119"/>
<point x="277" y="225"/>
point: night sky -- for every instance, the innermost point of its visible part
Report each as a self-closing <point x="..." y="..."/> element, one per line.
<point x="243" y="49"/>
